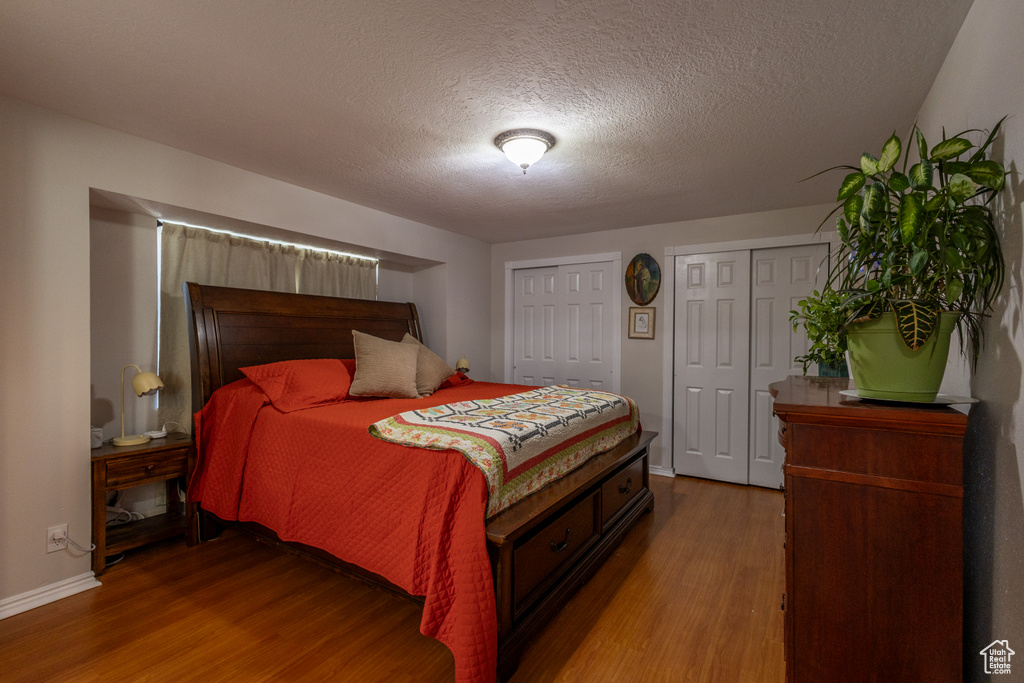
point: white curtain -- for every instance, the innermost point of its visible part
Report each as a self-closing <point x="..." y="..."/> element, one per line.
<point x="333" y="274"/>
<point x="195" y="255"/>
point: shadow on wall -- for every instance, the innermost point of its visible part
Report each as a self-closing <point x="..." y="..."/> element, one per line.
<point x="993" y="505"/>
<point x="101" y="409"/>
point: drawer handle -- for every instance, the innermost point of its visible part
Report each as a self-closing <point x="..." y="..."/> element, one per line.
<point x="562" y="545"/>
<point x="149" y="468"/>
<point x="628" y="487"/>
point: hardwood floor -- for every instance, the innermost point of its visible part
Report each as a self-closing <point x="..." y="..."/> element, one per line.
<point x="694" y="595"/>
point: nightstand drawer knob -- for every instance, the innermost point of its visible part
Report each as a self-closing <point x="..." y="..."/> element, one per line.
<point x="149" y="468"/>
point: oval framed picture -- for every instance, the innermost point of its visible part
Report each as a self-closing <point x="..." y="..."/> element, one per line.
<point x="643" y="279"/>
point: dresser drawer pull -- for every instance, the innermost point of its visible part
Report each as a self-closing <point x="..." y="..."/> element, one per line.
<point x="628" y="487"/>
<point x="562" y="545"/>
<point x="149" y="468"/>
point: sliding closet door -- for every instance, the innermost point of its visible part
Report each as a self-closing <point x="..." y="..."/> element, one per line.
<point x="584" y="323"/>
<point x="712" y="361"/>
<point x="533" y="340"/>
<point x="780" y="278"/>
<point x="564" y="326"/>
<point x="732" y="339"/>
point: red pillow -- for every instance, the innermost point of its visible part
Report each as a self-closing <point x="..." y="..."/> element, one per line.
<point x="296" y="384"/>
<point x="456" y="380"/>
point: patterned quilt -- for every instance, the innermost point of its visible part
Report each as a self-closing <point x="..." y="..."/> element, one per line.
<point x="520" y="442"/>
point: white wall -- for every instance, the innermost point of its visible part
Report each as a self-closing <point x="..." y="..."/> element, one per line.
<point x="643" y="373"/>
<point x="48" y="163"/>
<point x="395" y="282"/>
<point x="123" y="297"/>
<point x="122" y="303"/>
<point x="978" y="84"/>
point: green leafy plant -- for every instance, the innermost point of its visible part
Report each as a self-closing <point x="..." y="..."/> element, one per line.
<point x="914" y="241"/>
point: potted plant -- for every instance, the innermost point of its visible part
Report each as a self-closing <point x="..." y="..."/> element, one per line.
<point x="919" y="255"/>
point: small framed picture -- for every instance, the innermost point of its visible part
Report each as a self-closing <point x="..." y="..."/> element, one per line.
<point x="641" y="322"/>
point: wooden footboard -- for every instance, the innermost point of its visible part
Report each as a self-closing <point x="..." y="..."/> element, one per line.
<point x="544" y="548"/>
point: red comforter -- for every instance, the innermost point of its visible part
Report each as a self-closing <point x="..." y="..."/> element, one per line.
<point x="316" y="476"/>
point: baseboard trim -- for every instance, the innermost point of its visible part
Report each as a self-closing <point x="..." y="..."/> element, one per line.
<point x="663" y="471"/>
<point x="16" y="604"/>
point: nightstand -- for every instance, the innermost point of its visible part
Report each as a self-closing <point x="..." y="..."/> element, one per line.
<point x="114" y="468"/>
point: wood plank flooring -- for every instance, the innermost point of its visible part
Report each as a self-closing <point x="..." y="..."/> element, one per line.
<point x="692" y="594"/>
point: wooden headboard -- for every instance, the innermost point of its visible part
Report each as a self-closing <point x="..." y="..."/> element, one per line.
<point x="232" y="328"/>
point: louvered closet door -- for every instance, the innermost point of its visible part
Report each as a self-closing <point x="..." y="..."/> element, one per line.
<point x="712" y="359"/>
<point x="535" y="300"/>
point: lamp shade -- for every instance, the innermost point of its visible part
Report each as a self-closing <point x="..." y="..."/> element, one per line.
<point x="524" y="151"/>
<point x="462" y="365"/>
<point x="524" y="146"/>
<point x="146" y="384"/>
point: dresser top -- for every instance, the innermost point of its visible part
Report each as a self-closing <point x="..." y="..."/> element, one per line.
<point x="818" y="399"/>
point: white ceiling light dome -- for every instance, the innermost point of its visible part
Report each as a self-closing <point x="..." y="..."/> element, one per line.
<point x="524" y="146"/>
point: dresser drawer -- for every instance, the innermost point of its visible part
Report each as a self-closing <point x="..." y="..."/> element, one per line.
<point x="539" y="559"/>
<point x="620" y="489"/>
<point x="141" y="469"/>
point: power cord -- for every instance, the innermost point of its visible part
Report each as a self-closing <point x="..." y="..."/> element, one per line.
<point x="92" y="546"/>
<point x="122" y="516"/>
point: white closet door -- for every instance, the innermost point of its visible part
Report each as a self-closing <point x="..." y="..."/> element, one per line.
<point x="583" y="324"/>
<point x="564" y="326"/>
<point x="712" y="359"/>
<point x="535" y="300"/>
<point x="780" y="278"/>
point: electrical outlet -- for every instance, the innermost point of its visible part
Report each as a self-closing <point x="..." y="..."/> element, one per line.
<point x="56" y="538"/>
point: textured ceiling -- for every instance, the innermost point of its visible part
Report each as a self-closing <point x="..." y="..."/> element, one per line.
<point x="664" y="110"/>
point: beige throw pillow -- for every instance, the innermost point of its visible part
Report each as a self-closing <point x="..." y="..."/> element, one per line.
<point x="383" y="368"/>
<point x="431" y="370"/>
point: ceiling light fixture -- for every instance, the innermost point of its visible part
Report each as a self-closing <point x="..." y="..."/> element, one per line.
<point x="524" y="146"/>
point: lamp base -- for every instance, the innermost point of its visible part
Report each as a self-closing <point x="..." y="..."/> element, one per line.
<point x="133" y="440"/>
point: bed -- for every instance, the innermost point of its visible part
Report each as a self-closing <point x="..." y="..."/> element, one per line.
<point x="537" y="552"/>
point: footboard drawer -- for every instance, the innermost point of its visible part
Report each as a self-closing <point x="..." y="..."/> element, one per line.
<point x="538" y="560"/>
<point x="620" y="489"/>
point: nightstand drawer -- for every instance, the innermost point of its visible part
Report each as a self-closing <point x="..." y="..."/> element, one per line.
<point x="139" y="470"/>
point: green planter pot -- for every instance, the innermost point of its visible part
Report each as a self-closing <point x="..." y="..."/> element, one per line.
<point x="883" y="367"/>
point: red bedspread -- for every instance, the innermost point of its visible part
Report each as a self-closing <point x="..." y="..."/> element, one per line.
<point x="316" y="476"/>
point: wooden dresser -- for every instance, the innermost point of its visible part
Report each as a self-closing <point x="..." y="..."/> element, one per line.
<point x="874" y="536"/>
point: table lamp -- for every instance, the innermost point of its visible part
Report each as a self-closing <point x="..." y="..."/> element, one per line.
<point x="144" y="384"/>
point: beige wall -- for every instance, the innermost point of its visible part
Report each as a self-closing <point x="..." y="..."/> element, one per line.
<point x="979" y="83"/>
<point x="48" y="163"/>
<point x="643" y="372"/>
